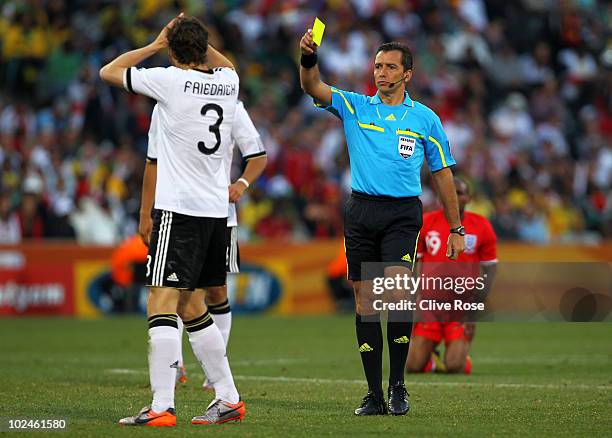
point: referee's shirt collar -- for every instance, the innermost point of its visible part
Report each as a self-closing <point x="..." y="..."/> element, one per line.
<point x="375" y="100"/>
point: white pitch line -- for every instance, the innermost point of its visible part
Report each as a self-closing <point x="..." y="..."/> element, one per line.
<point x="409" y="383"/>
<point x="601" y="359"/>
<point x="126" y="371"/>
<point x="237" y="363"/>
<point x="435" y="383"/>
<point x="260" y="362"/>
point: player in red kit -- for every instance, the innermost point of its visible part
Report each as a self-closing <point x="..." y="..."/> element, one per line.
<point x="480" y="248"/>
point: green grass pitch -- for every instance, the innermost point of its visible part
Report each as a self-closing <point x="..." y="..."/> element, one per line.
<point x="302" y="377"/>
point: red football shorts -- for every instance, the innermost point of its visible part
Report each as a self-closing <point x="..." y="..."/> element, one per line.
<point x="436" y="331"/>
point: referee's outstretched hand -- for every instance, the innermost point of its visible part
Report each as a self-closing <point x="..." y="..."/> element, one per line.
<point x="455" y="246"/>
<point x="307" y="45"/>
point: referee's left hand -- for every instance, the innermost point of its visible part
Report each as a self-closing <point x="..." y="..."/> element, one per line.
<point x="454" y="246"/>
<point x="307" y="45"/>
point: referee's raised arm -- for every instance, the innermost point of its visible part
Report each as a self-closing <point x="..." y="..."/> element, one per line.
<point x="309" y="72"/>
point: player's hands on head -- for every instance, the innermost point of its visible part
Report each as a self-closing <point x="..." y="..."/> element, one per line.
<point x="145" y="228"/>
<point x="455" y="246"/>
<point x="236" y="190"/>
<point x="307" y="45"/>
<point x="162" y="39"/>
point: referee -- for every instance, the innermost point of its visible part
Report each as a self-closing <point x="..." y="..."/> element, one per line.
<point x="388" y="136"/>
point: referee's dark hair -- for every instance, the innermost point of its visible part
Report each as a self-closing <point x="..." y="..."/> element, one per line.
<point x="396" y="45"/>
<point x="188" y="41"/>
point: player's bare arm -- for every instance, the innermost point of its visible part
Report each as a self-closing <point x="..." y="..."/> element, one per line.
<point x="215" y="59"/>
<point x="253" y="170"/>
<point x="310" y="78"/>
<point x="149" y="182"/>
<point x="443" y="180"/>
<point x="487" y="271"/>
<point x="113" y="72"/>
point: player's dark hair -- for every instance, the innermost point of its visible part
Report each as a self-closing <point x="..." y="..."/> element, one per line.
<point x="188" y="41"/>
<point x="396" y="45"/>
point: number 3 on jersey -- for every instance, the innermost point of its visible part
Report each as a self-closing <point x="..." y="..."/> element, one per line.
<point x="148" y="265"/>
<point x="214" y="128"/>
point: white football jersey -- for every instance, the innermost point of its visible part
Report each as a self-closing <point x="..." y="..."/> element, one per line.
<point x="153" y="130"/>
<point x="246" y="137"/>
<point x="192" y="135"/>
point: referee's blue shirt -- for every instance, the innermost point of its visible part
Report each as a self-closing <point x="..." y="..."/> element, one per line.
<point x="387" y="143"/>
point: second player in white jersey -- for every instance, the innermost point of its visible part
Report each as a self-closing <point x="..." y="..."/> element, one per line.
<point x="246" y="137"/>
<point x="195" y="114"/>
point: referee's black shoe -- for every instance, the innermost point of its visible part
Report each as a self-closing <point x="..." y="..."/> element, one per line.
<point x="372" y="404"/>
<point x="398" y="399"/>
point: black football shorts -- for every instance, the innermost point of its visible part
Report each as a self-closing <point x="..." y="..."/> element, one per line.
<point x="186" y="252"/>
<point x="381" y="229"/>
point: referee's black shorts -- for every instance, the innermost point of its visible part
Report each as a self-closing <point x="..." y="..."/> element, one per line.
<point x="381" y="229"/>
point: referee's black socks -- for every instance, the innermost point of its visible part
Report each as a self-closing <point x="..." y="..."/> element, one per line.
<point x="399" y="329"/>
<point x="370" y="344"/>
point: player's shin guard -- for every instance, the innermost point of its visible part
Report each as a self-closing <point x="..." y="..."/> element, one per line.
<point x="398" y="338"/>
<point x="222" y="316"/>
<point x="208" y="346"/>
<point x="163" y="359"/>
<point x="369" y="340"/>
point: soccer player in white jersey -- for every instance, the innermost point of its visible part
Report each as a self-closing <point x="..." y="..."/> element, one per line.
<point x="196" y="105"/>
<point x="246" y="137"/>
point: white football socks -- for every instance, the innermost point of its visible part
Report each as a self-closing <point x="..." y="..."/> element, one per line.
<point x="179" y="322"/>
<point x="208" y="346"/>
<point x="224" y="322"/>
<point x="163" y="361"/>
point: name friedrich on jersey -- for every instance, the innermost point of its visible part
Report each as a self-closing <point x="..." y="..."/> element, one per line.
<point x="210" y="89"/>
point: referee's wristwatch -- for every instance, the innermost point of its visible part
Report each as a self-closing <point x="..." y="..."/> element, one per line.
<point x="459" y="230"/>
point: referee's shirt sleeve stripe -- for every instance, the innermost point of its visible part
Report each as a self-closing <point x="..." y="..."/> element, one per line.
<point x="348" y="105"/>
<point x="437" y="143"/>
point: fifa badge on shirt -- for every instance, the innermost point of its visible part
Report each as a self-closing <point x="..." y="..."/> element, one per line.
<point x="405" y="146"/>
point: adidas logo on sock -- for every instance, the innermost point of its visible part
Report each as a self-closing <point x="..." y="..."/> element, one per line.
<point x="403" y="340"/>
<point x="175" y="365"/>
<point x="172" y="277"/>
<point x="365" y="348"/>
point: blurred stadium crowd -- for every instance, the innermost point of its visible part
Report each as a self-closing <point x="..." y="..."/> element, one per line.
<point x="524" y="90"/>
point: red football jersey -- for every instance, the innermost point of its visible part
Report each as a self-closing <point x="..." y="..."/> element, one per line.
<point x="480" y="239"/>
<point x="480" y="246"/>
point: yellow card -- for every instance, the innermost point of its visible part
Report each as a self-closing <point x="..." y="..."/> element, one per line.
<point x="317" y="31"/>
